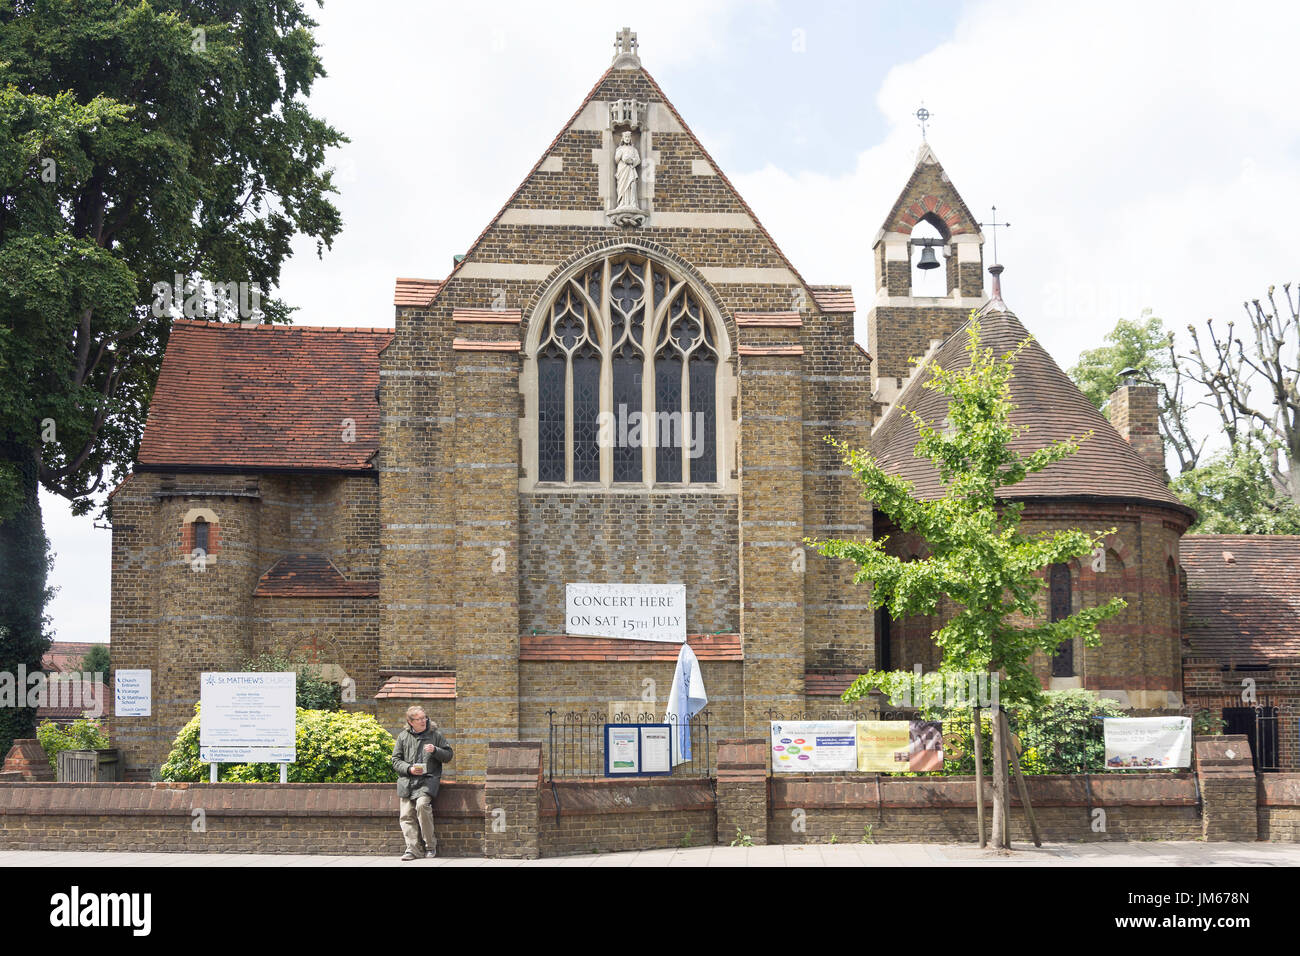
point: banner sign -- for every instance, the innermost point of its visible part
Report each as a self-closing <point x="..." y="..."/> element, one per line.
<point x="132" y="693"/>
<point x="897" y="746"/>
<point x="248" y="717"/>
<point x="1143" y="743"/>
<point x="638" y="750"/>
<point x="642" y="612"/>
<point x="814" y="746"/>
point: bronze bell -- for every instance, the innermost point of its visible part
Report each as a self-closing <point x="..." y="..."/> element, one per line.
<point x="928" y="259"/>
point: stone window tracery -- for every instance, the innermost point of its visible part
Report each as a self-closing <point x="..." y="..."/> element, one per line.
<point x="627" y="362"/>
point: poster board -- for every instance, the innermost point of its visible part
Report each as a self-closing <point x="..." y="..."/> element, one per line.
<point x="638" y="750"/>
<point x="248" y="717"/>
<point x="1147" y="743"/>
<point x="814" y="746"/>
<point x="898" y="746"/>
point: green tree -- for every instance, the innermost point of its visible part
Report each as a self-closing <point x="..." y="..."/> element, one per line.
<point x="138" y="142"/>
<point x="1144" y="345"/>
<point x="979" y="559"/>
<point x="96" y="660"/>
<point x="1234" y="493"/>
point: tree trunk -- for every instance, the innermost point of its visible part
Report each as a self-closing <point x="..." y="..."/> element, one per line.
<point x="24" y="568"/>
<point x="1001" y="838"/>
<point x="979" y="774"/>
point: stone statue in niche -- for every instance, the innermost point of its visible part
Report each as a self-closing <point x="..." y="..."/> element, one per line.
<point x="627" y="162"/>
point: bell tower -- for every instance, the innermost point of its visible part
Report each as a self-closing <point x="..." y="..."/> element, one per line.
<point x="929" y="228"/>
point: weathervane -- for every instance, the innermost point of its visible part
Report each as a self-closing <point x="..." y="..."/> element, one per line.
<point x="994" y="226"/>
<point x="923" y="116"/>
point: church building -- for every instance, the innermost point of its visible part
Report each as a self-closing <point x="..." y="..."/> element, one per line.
<point x="408" y="505"/>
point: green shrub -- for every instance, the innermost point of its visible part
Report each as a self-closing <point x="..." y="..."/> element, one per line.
<point x="332" y="747"/>
<point x="1060" y="735"/>
<point x="82" y="735"/>
<point x="314" y="691"/>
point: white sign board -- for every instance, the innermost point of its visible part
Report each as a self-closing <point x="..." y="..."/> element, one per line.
<point x="656" y="750"/>
<point x="643" y="612"/>
<point x="248" y="718"/>
<point x="132" y="694"/>
<point x="814" y="746"/>
<point x="1144" y="743"/>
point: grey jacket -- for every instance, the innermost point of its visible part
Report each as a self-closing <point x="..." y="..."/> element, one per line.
<point x="409" y="749"/>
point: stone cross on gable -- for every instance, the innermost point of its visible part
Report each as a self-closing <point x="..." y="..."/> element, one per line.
<point x="625" y="47"/>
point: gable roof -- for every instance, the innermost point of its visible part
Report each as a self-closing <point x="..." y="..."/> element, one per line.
<point x="265" y="397"/>
<point x="469" y="253"/>
<point x="1106" y="466"/>
<point x="958" y="217"/>
<point x="1243" y="596"/>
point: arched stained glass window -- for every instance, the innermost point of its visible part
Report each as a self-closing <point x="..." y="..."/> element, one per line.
<point x="627" y="361"/>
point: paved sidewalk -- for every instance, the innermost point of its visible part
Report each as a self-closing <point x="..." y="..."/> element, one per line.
<point x="1141" y="854"/>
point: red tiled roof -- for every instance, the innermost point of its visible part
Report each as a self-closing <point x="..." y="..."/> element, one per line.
<point x="1243" y="596"/>
<point x="562" y="647"/>
<point x="65" y="656"/>
<point x="833" y="298"/>
<point x="1106" y="466"/>
<point x="265" y="397"/>
<point x="769" y="319"/>
<point x="419" y="685"/>
<point x="70" y="700"/>
<point x="415" y="291"/>
<point x="310" y="576"/>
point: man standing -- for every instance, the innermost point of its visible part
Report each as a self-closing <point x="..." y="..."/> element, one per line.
<point x="418" y="756"/>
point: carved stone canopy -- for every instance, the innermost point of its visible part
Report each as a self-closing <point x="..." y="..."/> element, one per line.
<point x="626" y="114"/>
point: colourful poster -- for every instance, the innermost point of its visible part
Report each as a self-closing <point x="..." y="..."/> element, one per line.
<point x="883" y="745"/>
<point x="896" y="746"/>
<point x="1143" y="743"/>
<point x="813" y="746"/>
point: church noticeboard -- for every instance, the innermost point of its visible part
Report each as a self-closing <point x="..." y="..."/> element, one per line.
<point x="132" y="693"/>
<point x="643" y="612"/>
<point x="248" y="717"/>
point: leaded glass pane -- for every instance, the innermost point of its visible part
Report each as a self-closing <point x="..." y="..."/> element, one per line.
<point x="704" y="425"/>
<point x="550" y="416"/>
<point x="666" y="427"/>
<point x="627" y="412"/>
<point x="586" y="411"/>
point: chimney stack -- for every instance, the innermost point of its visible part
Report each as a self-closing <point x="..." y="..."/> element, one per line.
<point x="1135" y="413"/>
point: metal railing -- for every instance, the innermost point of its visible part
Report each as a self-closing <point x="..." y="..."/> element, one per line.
<point x="576" y="743"/>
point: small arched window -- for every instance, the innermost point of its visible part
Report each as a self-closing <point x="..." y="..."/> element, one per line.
<point x="201" y="535"/>
<point x="627" y="361"/>
<point x="1059" y="597"/>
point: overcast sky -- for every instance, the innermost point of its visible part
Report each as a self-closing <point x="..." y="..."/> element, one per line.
<point x="1145" y="154"/>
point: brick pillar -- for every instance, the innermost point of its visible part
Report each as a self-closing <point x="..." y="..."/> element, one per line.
<point x="1226" y="775"/>
<point x="1135" y="413"/>
<point x="27" y="757"/>
<point x="742" y="789"/>
<point x="510" y="805"/>
<point x="771" y="522"/>
<point x="487" y="546"/>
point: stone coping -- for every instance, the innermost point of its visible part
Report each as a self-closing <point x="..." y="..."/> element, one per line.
<point x="598" y="795"/>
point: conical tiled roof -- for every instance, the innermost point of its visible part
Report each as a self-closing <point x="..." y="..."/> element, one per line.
<point x="1049" y="403"/>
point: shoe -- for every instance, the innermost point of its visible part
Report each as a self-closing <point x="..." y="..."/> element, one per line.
<point x="431" y="854"/>
<point x="408" y="855"/>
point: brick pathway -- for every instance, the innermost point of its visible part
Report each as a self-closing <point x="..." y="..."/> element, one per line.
<point x="892" y="854"/>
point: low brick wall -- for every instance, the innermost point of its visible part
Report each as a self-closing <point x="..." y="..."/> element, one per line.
<point x="229" y="817"/>
<point x="1279" y="807"/>
<point x="813" y="809"/>
<point x="598" y="816"/>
